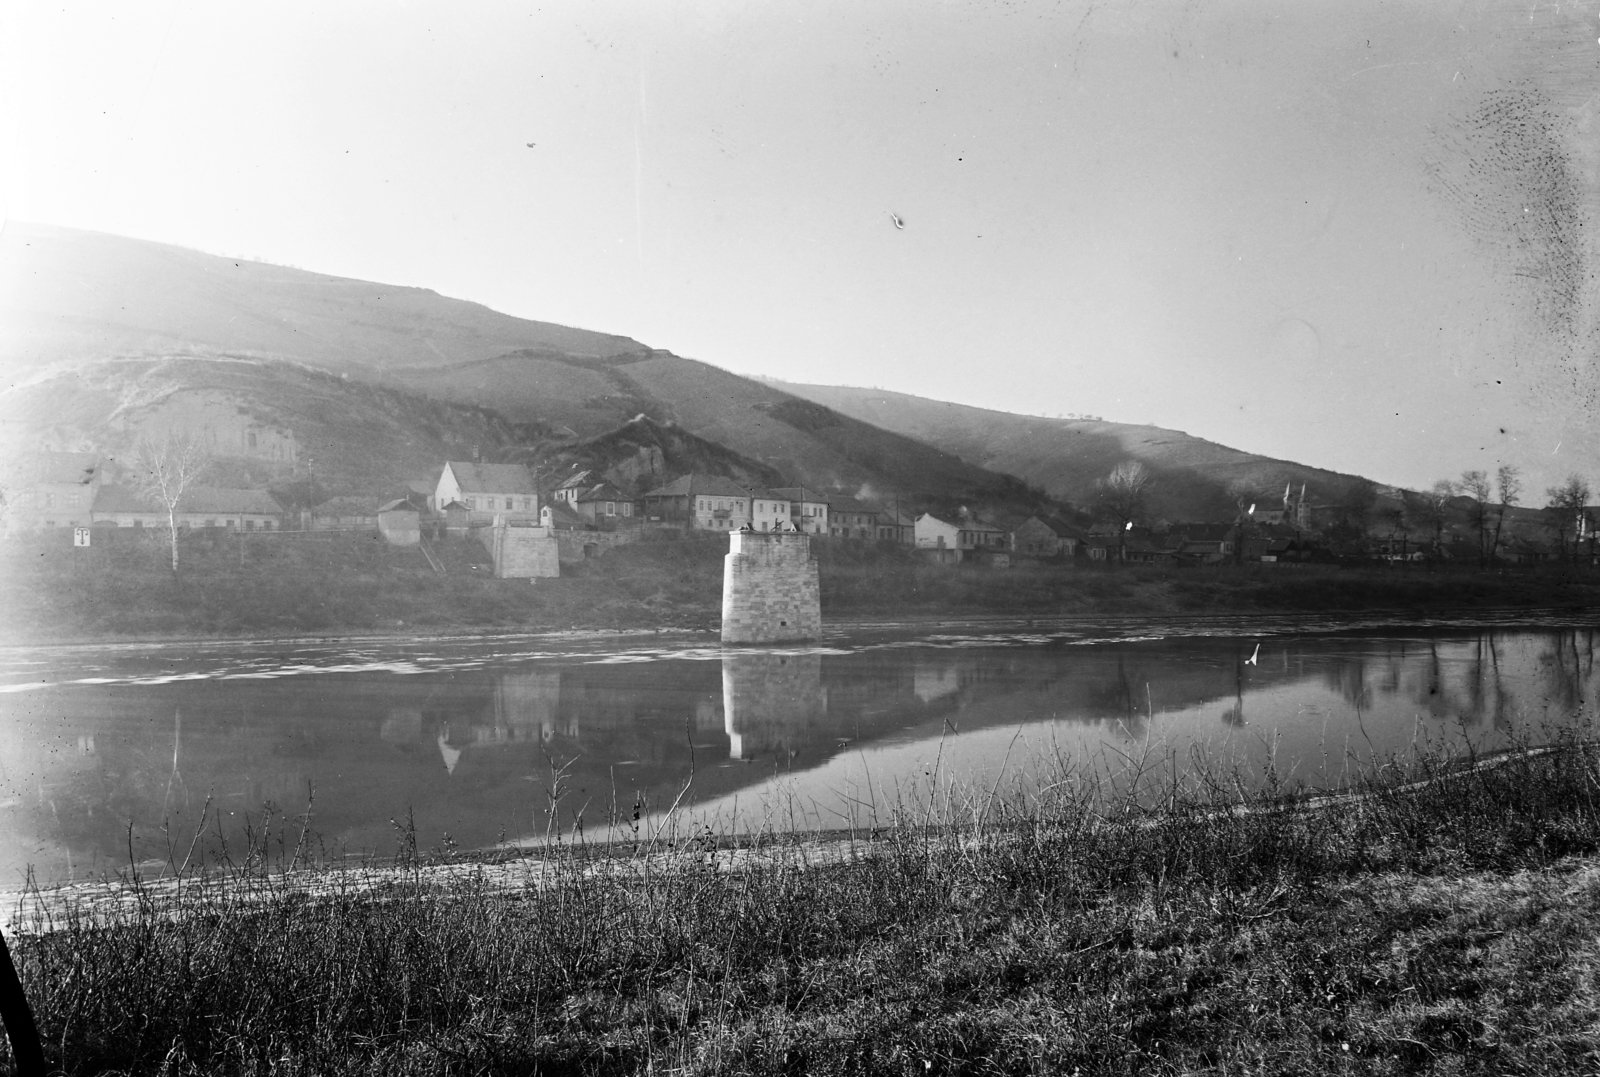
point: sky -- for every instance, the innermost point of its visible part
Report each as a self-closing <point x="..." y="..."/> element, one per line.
<point x="1360" y="235"/>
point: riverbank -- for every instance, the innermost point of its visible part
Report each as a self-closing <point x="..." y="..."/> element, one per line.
<point x="1447" y="926"/>
<point x="339" y="584"/>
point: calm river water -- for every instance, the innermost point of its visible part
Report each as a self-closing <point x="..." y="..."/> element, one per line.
<point x="100" y="747"/>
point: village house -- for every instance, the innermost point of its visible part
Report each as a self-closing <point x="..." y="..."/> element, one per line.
<point x="896" y="526"/>
<point x="200" y="506"/>
<point x="849" y="518"/>
<point x="573" y="485"/>
<point x="770" y="512"/>
<point x="1206" y="544"/>
<point x="1137" y="545"/>
<point x="1047" y="536"/>
<point x="975" y="534"/>
<point x="933" y="533"/>
<point x="808" y="510"/>
<point x="969" y="539"/>
<point x="560" y="516"/>
<point x="399" y="523"/>
<point x="603" y="505"/>
<point x="487" y="491"/>
<point x="699" y="503"/>
<point x="61" y="492"/>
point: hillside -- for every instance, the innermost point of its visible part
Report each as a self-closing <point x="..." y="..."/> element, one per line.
<point x="1065" y="457"/>
<point x="642" y="454"/>
<point x="67" y="295"/>
<point x="260" y="418"/>
<point x="107" y="337"/>
<point x="813" y="445"/>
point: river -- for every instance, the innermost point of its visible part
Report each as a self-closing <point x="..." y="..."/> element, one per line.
<point x="110" y="754"/>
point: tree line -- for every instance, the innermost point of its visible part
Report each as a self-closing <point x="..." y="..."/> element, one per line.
<point x="1482" y="502"/>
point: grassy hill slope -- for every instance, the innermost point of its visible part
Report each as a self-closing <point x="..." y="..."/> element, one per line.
<point x="67" y="295"/>
<point x="250" y="337"/>
<point x="1066" y="456"/>
<point x="808" y="444"/>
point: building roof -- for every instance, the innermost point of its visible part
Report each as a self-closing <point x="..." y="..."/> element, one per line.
<point x="63" y="467"/>
<point x="111" y="498"/>
<point x="216" y="499"/>
<point x="800" y="493"/>
<point x="1058" y="526"/>
<point x="576" y="479"/>
<point x="492" y="478"/>
<point x="399" y="504"/>
<point x="979" y="525"/>
<point x="698" y="486"/>
<point x="564" y="516"/>
<point x="850" y="504"/>
<point x="1204" y="532"/>
<point x="604" y="492"/>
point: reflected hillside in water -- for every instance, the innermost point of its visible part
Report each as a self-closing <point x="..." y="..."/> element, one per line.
<point x="475" y="753"/>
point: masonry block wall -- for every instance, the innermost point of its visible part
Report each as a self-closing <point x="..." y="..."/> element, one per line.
<point x="769" y="588"/>
<point x="572" y="544"/>
<point x="522" y="552"/>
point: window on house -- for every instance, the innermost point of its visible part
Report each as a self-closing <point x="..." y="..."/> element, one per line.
<point x="508" y="503"/>
<point x="611" y="508"/>
<point x="627" y="508"/>
<point x="211" y="523"/>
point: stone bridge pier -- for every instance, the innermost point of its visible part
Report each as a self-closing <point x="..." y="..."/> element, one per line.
<point x="769" y="588"/>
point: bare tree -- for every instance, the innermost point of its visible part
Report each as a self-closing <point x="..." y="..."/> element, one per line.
<point x="1433" y="505"/>
<point x="167" y="468"/>
<point x="1354" y="512"/>
<point x="1399" y="523"/>
<point x="1475" y="484"/>
<point x="1566" y="511"/>
<point x="1244" y="498"/>
<point x="1120" y="499"/>
<point x="1509" y="479"/>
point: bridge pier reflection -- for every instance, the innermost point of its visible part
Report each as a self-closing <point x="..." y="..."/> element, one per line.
<point x="772" y="704"/>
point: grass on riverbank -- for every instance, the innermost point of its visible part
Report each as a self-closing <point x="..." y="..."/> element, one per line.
<point x="1451" y="926"/>
<point x="331" y="582"/>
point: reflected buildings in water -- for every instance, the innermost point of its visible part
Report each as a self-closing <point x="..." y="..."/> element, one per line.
<point x="475" y="752"/>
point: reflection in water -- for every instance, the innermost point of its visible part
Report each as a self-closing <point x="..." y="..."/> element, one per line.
<point x="773" y="704"/>
<point x="473" y="750"/>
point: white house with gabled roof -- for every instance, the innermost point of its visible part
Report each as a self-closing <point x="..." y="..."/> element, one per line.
<point x="487" y="490"/>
